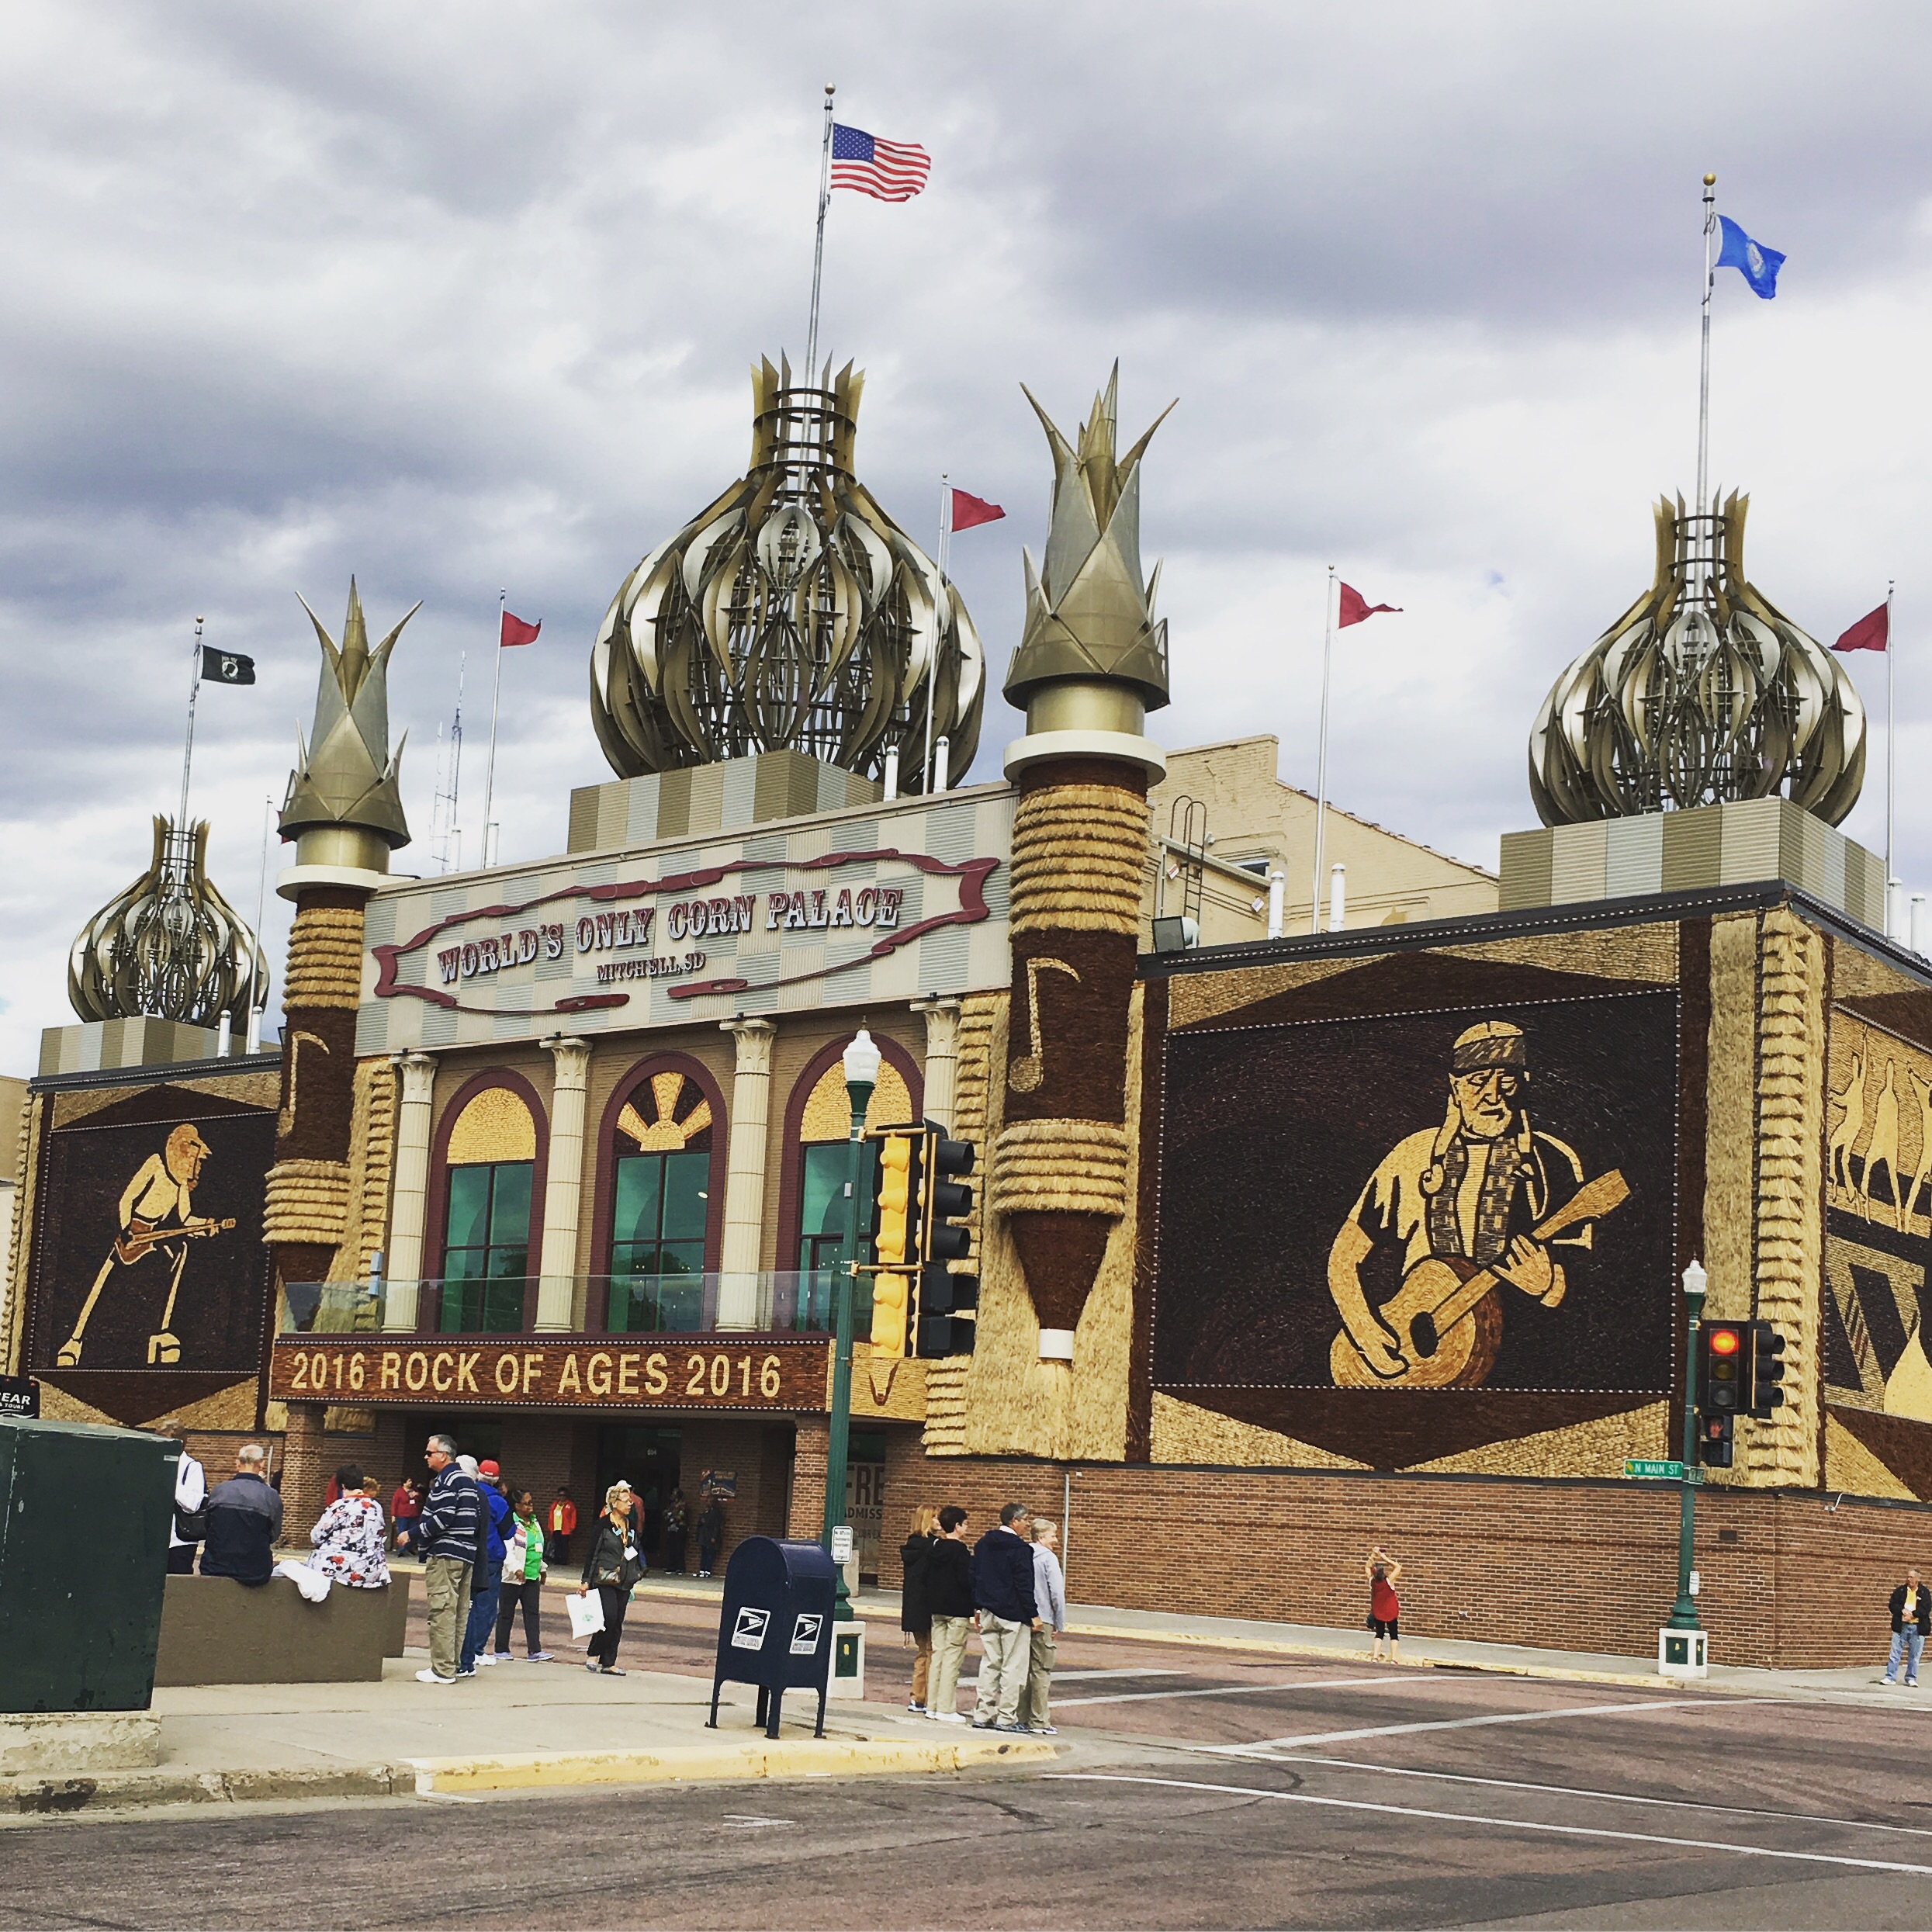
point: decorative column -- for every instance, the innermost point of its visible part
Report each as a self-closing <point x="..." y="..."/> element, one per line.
<point x="563" y="1188"/>
<point x="942" y="1057"/>
<point x="1091" y="663"/>
<point x="344" y="814"/>
<point x="403" y="1263"/>
<point x="745" y="1173"/>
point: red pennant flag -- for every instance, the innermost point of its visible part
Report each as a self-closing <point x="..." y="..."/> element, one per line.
<point x="1871" y="632"/>
<point x="1356" y="608"/>
<point x="969" y="512"/>
<point x="516" y="631"/>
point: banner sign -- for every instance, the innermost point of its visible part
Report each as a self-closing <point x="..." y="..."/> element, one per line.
<point x="529" y="1372"/>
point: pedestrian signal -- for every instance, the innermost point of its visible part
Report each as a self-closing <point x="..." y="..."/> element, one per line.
<point x="945" y="1325"/>
<point x="1715" y="1435"/>
<point x="946" y="1305"/>
<point x="1766" y="1369"/>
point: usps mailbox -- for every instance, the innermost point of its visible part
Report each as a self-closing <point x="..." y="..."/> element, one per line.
<point x="776" y="1629"/>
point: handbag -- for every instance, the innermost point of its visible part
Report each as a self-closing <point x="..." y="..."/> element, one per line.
<point x="191" y="1526"/>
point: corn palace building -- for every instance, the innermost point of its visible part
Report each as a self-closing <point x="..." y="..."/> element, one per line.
<point x="1286" y="1241"/>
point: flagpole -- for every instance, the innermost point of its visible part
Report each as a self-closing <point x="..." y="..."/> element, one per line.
<point x="258" y="1004"/>
<point x="818" y="252"/>
<point x="496" y="698"/>
<point x="1705" y="532"/>
<point x="1322" y="757"/>
<point x="1891" y="759"/>
<point x="938" y="619"/>
<point x="187" y="757"/>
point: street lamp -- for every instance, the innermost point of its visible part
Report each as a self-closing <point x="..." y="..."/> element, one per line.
<point x="861" y="1076"/>
<point x="1684" y="1614"/>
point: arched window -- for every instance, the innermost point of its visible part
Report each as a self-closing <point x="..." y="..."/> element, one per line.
<point x="824" y="1133"/>
<point x="490" y="1167"/>
<point x="660" y="1206"/>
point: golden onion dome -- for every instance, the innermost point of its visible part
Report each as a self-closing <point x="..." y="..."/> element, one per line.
<point x="791" y="613"/>
<point x="1701" y="692"/>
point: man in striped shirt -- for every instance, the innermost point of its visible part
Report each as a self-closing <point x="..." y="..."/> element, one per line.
<point x="448" y="1531"/>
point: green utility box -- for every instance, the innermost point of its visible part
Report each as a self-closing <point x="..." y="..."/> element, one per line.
<point x="84" y="1520"/>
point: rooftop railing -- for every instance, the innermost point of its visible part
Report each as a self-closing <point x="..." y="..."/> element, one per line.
<point x="768" y="1302"/>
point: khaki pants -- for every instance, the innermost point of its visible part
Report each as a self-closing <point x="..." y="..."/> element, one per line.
<point x="922" y="1664"/>
<point x="1032" y="1706"/>
<point x="1002" y="1670"/>
<point x="948" y="1653"/>
<point x="446" y="1591"/>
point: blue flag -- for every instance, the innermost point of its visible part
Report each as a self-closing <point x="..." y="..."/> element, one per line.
<point x="1758" y="264"/>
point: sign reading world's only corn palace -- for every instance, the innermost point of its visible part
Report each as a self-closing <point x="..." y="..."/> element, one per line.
<point x="869" y="906"/>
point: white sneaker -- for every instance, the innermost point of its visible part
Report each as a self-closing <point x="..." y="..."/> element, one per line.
<point x="948" y="1717"/>
<point x="430" y="1676"/>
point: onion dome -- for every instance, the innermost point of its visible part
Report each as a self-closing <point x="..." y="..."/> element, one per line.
<point x="1088" y="616"/>
<point x="1701" y="692"/>
<point x="345" y="800"/>
<point x="791" y="613"/>
<point x="169" y="946"/>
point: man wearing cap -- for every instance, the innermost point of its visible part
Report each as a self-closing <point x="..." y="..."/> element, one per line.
<point x="1474" y="1188"/>
<point x="477" y="1634"/>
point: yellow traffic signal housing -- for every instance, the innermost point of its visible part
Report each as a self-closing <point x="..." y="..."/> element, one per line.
<point x="895" y="1200"/>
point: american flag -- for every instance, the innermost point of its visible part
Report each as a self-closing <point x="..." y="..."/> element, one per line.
<point x="888" y="171"/>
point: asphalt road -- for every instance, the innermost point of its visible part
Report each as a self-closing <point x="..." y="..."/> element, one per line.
<point x="1210" y="1789"/>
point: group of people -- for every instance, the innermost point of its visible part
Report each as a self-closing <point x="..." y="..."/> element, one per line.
<point x="1008" y="1586"/>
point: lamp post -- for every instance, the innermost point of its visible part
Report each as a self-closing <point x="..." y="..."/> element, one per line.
<point x="861" y="1076"/>
<point x="1683" y="1613"/>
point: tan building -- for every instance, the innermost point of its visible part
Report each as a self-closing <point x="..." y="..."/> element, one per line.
<point x="1225" y="824"/>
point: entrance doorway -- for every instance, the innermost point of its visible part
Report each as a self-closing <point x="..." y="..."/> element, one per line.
<point x="648" y="1460"/>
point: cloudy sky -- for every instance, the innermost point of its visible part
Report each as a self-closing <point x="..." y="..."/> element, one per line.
<point x="460" y="297"/>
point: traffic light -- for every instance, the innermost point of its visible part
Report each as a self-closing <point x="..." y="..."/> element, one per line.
<point x="1724" y="1364"/>
<point x="895" y="1239"/>
<point x="1767" y="1370"/>
<point x="945" y="1327"/>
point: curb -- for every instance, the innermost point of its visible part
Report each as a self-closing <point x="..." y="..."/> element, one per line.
<point x="786" y="1759"/>
<point x="110" y="1791"/>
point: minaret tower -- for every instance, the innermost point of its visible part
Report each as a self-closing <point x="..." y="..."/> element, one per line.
<point x="1091" y="663"/>
<point x="344" y="815"/>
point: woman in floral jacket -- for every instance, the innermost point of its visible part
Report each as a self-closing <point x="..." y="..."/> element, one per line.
<point x="349" y="1539"/>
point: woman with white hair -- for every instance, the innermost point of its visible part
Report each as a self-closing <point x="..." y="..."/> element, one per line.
<point x="612" y="1565"/>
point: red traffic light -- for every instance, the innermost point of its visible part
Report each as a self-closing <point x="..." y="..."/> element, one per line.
<point x="1725" y="1340"/>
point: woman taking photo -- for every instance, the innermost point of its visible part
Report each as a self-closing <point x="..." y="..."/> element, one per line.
<point x="916" y="1614"/>
<point x="612" y="1567"/>
<point x="1384" y="1610"/>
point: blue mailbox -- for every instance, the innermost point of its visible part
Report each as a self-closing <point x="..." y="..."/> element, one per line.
<point x="776" y="1628"/>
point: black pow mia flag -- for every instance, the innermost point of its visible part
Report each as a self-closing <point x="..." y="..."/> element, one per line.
<point x="227" y="667"/>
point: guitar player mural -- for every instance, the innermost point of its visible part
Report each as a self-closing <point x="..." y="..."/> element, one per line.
<point x="1459" y="1202"/>
<point x="1485" y="1203"/>
<point x="150" y="1253"/>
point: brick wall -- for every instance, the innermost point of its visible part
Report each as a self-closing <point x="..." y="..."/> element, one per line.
<point x="759" y="1454"/>
<point x="1787" y="1580"/>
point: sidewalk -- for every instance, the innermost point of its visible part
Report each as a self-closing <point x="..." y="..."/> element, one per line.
<point x="1863" y="1684"/>
<point x="499" y="1732"/>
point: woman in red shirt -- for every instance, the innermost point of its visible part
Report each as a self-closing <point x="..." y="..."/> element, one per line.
<point x="404" y="1508"/>
<point x="1383" y="1609"/>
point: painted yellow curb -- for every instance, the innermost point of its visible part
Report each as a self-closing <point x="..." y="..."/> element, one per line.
<point x="788" y="1758"/>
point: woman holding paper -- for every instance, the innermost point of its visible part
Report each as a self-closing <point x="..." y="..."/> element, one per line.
<point x="612" y="1565"/>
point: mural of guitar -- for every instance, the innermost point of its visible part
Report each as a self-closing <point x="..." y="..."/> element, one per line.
<point x="1446" y="1328"/>
<point x="140" y="1236"/>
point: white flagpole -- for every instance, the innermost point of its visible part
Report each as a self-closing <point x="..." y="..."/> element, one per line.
<point x="496" y="696"/>
<point x="818" y="252"/>
<point x="1322" y="757"/>
<point x="938" y="617"/>
<point x="259" y="1005"/>
<point x="1705" y="530"/>
<point x="1891" y="761"/>
<point x="187" y="757"/>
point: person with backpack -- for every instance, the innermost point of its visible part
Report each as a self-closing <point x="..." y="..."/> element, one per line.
<point x="188" y="1524"/>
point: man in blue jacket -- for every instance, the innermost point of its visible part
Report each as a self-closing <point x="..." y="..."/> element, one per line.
<point x="244" y="1518"/>
<point x="478" y="1635"/>
<point x="450" y="1528"/>
<point x="1005" y="1608"/>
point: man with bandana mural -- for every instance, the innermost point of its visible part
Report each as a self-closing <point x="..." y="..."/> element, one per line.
<point x="158" y="1219"/>
<point x="1469" y="1192"/>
